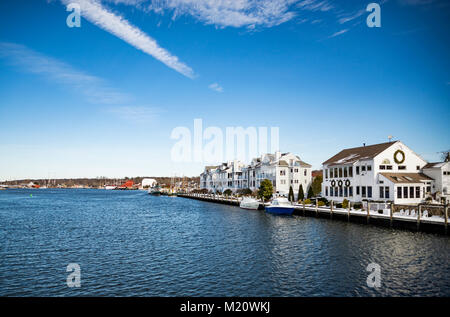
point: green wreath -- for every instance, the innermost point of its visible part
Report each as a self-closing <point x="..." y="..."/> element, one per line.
<point x="396" y="159"/>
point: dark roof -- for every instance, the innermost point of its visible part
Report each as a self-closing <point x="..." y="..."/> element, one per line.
<point x="406" y="178"/>
<point x="352" y="155"/>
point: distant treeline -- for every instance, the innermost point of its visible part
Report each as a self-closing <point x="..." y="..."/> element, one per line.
<point x="101" y="181"/>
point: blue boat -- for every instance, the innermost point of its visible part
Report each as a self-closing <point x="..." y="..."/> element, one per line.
<point x="280" y="206"/>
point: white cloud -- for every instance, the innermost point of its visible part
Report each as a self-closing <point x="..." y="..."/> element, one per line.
<point x="95" y="89"/>
<point x="348" y="18"/>
<point x="136" y="114"/>
<point x="216" y="87"/>
<point x="338" y="33"/>
<point x="93" y="11"/>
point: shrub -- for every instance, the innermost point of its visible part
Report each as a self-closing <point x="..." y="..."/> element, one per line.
<point x="320" y="203"/>
<point x="324" y="200"/>
<point x="307" y="201"/>
<point x="357" y="206"/>
<point x="228" y="192"/>
<point x="338" y="205"/>
<point x="345" y="204"/>
<point x="265" y="190"/>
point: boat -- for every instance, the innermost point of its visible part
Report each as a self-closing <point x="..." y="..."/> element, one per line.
<point x="280" y="206"/>
<point x="155" y="191"/>
<point x="249" y="203"/>
<point x="110" y="187"/>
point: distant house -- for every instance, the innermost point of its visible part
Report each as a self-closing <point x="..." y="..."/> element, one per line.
<point x="148" y="182"/>
<point x="386" y="172"/>
<point x="282" y="169"/>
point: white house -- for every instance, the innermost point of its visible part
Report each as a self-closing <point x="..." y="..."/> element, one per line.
<point x="386" y="172"/>
<point x="440" y="172"/>
<point x="283" y="170"/>
<point x="148" y="182"/>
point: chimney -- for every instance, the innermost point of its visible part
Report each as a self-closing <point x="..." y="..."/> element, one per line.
<point x="277" y="155"/>
<point x="364" y="144"/>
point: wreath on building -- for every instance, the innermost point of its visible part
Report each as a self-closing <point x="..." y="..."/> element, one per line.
<point x="396" y="159"/>
<point x="347" y="183"/>
<point x="340" y="183"/>
<point x="333" y="183"/>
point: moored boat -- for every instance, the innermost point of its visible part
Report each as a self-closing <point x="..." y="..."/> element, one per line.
<point x="280" y="206"/>
<point x="249" y="203"/>
<point x="155" y="191"/>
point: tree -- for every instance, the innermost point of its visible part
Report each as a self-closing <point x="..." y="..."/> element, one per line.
<point x="265" y="190"/>
<point x="301" y="193"/>
<point x="317" y="185"/>
<point x="227" y="192"/>
<point x="291" y="194"/>
<point x="310" y="192"/>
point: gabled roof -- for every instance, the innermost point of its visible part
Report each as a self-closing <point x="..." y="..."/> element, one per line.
<point x="352" y="155"/>
<point x="283" y="163"/>
<point x="406" y="178"/>
<point x="435" y="165"/>
<point x="304" y="164"/>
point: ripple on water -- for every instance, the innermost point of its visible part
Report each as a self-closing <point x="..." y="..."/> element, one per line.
<point x="132" y="244"/>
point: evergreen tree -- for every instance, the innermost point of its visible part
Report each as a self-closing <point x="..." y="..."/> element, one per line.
<point x="265" y="190"/>
<point x="317" y="185"/>
<point x="301" y="193"/>
<point x="291" y="194"/>
<point x="310" y="192"/>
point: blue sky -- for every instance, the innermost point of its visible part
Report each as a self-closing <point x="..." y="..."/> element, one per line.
<point x="102" y="99"/>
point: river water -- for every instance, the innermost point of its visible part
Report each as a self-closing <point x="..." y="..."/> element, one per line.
<point x="128" y="243"/>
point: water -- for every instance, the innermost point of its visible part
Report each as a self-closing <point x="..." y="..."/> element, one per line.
<point x="128" y="243"/>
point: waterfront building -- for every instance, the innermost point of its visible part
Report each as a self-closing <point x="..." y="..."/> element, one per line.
<point x="282" y="169"/>
<point x="386" y="172"/>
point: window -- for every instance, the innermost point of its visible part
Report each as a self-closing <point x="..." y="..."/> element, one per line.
<point x="350" y="171"/>
<point x="357" y="190"/>
<point x="399" y="192"/>
<point x="326" y="173"/>
<point x="357" y="170"/>
<point x="292" y="170"/>
<point x="388" y="167"/>
<point x="363" y="168"/>
<point x="345" y="192"/>
<point x="345" y="172"/>
<point x="282" y="173"/>
<point x="350" y="191"/>
<point x="331" y="191"/>
<point x="331" y="173"/>
<point x="401" y="167"/>
<point x="305" y="172"/>
<point x="411" y="192"/>
<point x="428" y="189"/>
<point x="417" y="167"/>
<point x="326" y="190"/>
<point x="382" y="192"/>
<point x="405" y="192"/>
<point x="340" y="191"/>
<point x="382" y="167"/>
<point x="363" y="191"/>
<point x="369" y="191"/>
<point x="386" y="192"/>
<point x="417" y="192"/>
<point x="369" y="168"/>
<point x="335" y="172"/>
<point x="340" y="172"/>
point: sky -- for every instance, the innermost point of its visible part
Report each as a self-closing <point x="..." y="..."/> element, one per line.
<point x="103" y="99"/>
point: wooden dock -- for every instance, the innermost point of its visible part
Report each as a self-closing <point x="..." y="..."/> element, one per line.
<point x="350" y="215"/>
